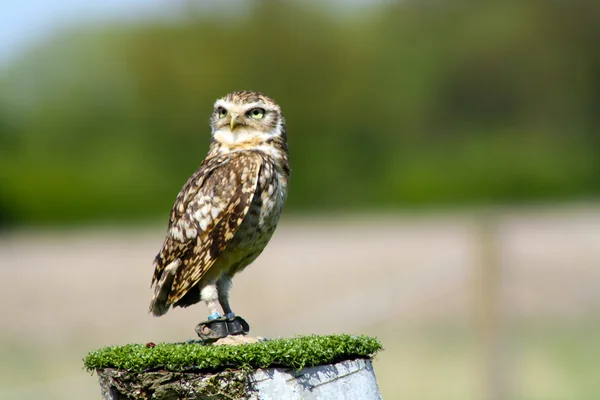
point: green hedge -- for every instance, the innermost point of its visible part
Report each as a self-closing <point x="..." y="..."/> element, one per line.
<point x="403" y="104"/>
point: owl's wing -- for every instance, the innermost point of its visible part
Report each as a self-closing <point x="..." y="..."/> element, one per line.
<point x="206" y="215"/>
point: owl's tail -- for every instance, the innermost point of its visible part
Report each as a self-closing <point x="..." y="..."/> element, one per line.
<point x="159" y="304"/>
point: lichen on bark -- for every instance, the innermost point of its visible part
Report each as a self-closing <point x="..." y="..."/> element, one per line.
<point x="168" y="385"/>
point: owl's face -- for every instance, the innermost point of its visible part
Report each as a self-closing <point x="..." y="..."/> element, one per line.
<point x="246" y="117"/>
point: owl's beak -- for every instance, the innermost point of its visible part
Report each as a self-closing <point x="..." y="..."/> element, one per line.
<point x="233" y="123"/>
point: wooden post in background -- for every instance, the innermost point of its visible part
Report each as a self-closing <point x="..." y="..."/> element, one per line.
<point x="492" y="312"/>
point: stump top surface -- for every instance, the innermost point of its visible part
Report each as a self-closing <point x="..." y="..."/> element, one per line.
<point x="296" y="353"/>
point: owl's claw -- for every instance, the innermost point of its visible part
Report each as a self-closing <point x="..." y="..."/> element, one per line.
<point x="216" y="329"/>
<point x="237" y="326"/>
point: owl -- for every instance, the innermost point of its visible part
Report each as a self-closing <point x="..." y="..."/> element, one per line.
<point x="227" y="211"/>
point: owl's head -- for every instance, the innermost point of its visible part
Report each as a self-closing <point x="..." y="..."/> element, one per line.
<point x="246" y="118"/>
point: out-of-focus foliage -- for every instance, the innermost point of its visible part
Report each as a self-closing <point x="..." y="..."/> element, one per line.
<point x="406" y="104"/>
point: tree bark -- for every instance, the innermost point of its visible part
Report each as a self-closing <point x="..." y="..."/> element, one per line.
<point x="353" y="379"/>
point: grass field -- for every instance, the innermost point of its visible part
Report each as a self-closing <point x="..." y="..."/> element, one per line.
<point x="412" y="281"/>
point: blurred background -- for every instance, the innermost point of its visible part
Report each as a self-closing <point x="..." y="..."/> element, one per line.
<point x="444" y="193"/>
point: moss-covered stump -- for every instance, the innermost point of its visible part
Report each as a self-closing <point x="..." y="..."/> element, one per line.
<point x="308" y="367"/>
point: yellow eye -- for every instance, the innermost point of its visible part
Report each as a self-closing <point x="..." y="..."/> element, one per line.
<point x="256" y="113"/>
<point x="221" y="112"/>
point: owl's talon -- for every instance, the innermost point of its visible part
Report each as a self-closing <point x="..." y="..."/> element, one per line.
<point x="237" y="326"/>
<point x="213" y="330"/>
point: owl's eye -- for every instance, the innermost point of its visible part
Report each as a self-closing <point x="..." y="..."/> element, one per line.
<point x="256" y="113"/>
<point x="221" y="112"/>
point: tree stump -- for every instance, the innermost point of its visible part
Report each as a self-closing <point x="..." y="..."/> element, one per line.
<point x="352" y="379"/>
<point x="310" y="367"/>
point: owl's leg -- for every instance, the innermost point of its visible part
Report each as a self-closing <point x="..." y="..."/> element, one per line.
<point x="218" y="327"/>
<point x="210" y="295"/>
<point x="223" y="287"/>
<point x="235" y="325"/>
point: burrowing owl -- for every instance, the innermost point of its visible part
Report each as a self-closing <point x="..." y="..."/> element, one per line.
<point x="227" y="211"/>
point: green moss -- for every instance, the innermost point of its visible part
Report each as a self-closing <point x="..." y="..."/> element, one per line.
<point x="297" y="353"/>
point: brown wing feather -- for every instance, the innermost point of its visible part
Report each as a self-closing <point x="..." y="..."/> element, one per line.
<point x="176" y="243"/>
<point x="210" y="218"/>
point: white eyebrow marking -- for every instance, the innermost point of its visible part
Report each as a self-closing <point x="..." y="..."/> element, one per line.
<point x="227" y="104"/>
<point x="254" y="105"/>
<point x="222" y="103"/>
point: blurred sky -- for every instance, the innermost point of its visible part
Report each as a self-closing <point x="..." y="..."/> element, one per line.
<point x="24" y="23"/>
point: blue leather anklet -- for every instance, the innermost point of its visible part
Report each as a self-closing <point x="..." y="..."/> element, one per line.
<point x="214" y="316"/>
